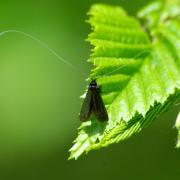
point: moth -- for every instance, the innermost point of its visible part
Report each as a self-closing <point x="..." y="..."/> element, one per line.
<point x="93" y="104"/>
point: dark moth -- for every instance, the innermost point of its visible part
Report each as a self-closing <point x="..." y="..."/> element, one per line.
<point x="93" y="104"/>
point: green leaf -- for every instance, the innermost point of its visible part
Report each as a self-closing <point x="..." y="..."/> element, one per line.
<point x="138" y="68"/>
<point x="178" y="128"/>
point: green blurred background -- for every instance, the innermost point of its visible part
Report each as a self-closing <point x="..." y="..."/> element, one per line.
<point x="39" y="101"/>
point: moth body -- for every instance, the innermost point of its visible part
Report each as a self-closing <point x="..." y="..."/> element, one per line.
<point x="93" y="104"/>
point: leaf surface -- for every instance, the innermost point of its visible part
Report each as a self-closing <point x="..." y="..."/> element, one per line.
<point x="138" y="68"/>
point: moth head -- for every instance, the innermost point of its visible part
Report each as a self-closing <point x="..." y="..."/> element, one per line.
<point x="93" y="85"/>
<point x="93" y="82"/>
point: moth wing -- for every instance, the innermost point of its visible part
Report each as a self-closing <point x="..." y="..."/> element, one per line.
<point x="86" y="107"/>
<point x="98" y="106"/>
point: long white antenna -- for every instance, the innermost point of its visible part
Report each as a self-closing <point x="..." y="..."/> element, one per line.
<point x="136" y="56"/>
<point x="60" y="58"/>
